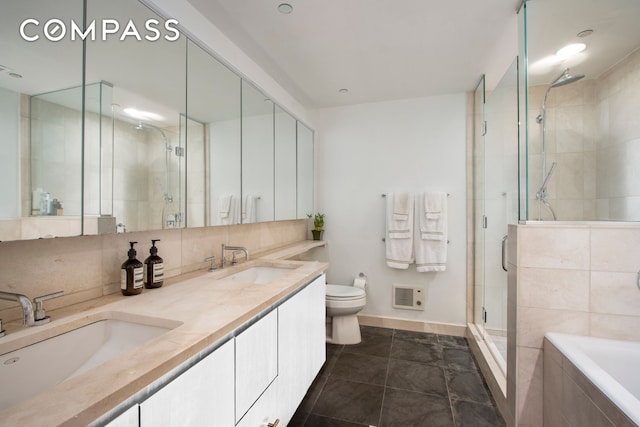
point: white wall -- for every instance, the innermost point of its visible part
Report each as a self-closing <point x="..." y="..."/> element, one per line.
<point x="370" y="149"/>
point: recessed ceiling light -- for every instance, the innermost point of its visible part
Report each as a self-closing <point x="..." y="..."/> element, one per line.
<point x="16" y="75"/>
<point x="585" y="33"/>
<point x="343" y="90"/>
<point x="570" y="50"/>
<point x="285" y="8"/>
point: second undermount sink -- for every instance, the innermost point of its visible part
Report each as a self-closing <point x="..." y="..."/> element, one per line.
<point x="46" y="363"/>
<point x="258" y="275"/>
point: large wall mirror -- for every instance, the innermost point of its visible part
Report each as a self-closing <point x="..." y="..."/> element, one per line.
<point x="41" y="141"/>
<point x="583" y="128"/>
<point x="155" y="135"/>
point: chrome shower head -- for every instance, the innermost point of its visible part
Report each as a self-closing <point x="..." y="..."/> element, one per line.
<point x="566" y="78"/>
<point x="140" y="126"/>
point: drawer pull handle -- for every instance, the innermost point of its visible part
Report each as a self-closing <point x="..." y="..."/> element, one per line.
<point x="275" y="424"/>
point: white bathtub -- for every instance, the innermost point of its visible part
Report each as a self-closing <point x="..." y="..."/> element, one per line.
<point x="612" y="366"/>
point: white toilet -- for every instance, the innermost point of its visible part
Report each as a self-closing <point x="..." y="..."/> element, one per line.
<point x="343" y="305"/>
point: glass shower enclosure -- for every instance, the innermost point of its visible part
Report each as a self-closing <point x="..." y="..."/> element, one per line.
<point x="495" y="164"/>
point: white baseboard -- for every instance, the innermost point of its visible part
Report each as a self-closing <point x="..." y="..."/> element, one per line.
<point x="412" y="325"/>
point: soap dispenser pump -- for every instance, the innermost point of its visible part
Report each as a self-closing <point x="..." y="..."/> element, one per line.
<point x="153" y="268"/>
<point x="131" y="274"/>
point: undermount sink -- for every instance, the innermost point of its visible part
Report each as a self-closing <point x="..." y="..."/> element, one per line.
<point x="258" y="275"/>
<point x="46" y="363"/>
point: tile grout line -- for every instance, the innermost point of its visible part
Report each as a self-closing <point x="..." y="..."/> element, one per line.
<point x="326" y="380"/>
<point x="446" y="381"/>
<point x="386" y="379"/>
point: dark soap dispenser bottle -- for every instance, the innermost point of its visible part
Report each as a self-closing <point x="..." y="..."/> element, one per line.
<point x="153" y="268"/>
<point x="131" y="274"/>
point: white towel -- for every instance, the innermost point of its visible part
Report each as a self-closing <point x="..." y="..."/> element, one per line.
<point x="249" y="209"/>
<point x="399" y="235"/>
<point x="226" y="210"/>
<point x="401" y="206"/>
<point x="431" y="232"/>
<point x="224" y="205"/>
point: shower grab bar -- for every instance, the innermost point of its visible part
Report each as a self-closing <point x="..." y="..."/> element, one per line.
<point x="504" y="252"/>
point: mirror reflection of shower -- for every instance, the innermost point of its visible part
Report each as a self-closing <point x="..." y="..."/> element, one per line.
<point x="169" y="219"/>
<point x="542" y="194"/>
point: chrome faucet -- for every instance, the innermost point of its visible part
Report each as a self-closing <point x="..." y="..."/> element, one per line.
<point x="31" y="317"/>
<point x="233" y="248"/>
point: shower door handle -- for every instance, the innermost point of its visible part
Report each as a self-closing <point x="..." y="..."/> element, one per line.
<point x="504" y="252"/>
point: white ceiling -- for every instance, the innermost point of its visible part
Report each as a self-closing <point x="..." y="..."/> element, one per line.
<point x="377" y="49"/>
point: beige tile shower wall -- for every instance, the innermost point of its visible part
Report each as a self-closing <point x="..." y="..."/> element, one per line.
<point x="577" y="278"/>
<point x="88" y="267"/>
<point x="593" y="134"/>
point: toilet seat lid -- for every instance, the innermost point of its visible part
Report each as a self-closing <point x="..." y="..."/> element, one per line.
<point x="343" y="292"/>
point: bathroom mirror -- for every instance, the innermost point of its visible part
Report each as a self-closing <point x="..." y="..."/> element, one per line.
<point x="582" y="123"/>
<point x="213" y="99"/>
<point x="305" y="171"/>
<point x="159" y="144"/>
<point x="48" y="71"/>
<point x="257" y="204"/>
<point x="148" y="98"/>
<point x="285" y="165"/>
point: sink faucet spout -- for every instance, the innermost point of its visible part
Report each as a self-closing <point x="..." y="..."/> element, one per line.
<point x="233" y="248"/>
<point x="25" y="303"/>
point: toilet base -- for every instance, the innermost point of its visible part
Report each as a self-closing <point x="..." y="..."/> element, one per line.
<point x="343" y="330"/>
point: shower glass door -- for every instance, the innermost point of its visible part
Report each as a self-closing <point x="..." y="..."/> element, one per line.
<point x="496" y="194"/>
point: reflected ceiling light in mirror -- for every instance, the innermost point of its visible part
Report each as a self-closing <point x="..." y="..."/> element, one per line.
<point x="570" y="50"/>
<point x="142" y="115"/>
<point x="285" y="8"/>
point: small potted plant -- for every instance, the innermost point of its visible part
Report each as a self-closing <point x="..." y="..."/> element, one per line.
<point x="318" y="225"/>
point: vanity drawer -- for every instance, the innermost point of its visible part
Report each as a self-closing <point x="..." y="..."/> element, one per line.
<point x="256" y="364"/>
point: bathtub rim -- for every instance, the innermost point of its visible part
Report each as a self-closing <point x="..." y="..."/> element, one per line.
<point x="601" y="379"/>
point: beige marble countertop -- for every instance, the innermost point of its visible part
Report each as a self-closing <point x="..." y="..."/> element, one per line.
<point x="201" y="310"/>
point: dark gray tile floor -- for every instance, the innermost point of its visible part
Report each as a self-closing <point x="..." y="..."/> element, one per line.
<point x="398" y="378"/>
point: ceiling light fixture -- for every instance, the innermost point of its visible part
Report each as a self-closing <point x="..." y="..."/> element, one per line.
<point x="16" y="75"/>
<point x="570" y="50"/>
<point x="285" y="8"/>
<point x="343" y="90"/>
<point x="585" y="33"/>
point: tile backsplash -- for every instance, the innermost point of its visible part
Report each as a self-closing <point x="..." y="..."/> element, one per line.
<point x="88" y="267"/>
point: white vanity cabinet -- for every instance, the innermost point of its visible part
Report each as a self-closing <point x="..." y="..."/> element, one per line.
<point x="256" y="364"/>
<point x="252" y="380"/>
<point x="302" y="349"/>
<point x="300" y="355"/>
<point x="203" y="395"/>
<point x="130" y="418"/>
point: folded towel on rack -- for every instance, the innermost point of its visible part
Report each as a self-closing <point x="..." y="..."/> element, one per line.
<point x="249" y="209"/>
<point x="431" y="232"/>
<point x="224" y="205"/>
<point x="227" y="213"/>
<point x="433" y="202"/>
<point x="401" y="206"/>
<point x="399" y="235"/>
